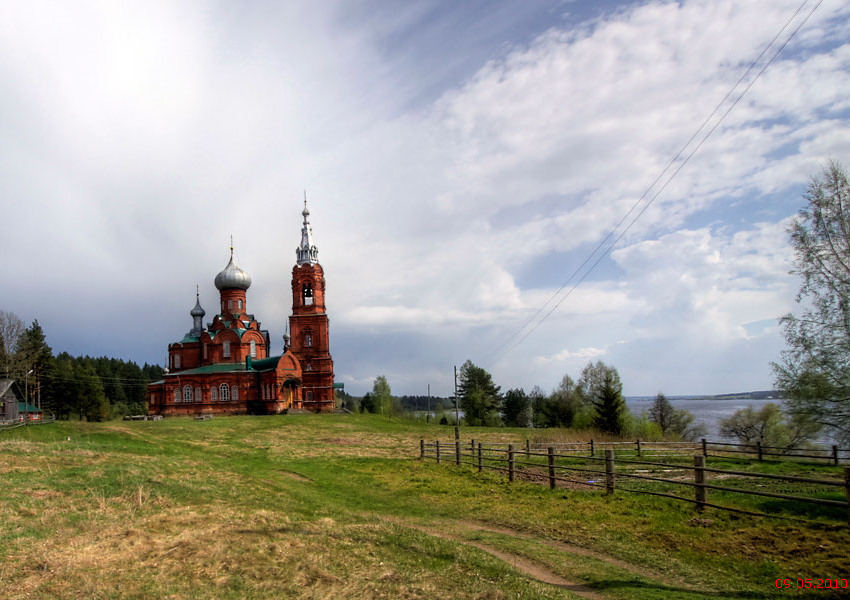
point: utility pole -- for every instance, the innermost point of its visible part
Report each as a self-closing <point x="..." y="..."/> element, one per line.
<point x="457" y="414"/>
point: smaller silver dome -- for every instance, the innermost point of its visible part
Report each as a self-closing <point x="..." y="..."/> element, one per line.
<point x="232" y="277"/>
<point x="198" y="311"/>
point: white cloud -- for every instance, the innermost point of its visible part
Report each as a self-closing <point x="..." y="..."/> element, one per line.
<point x="135" y="139"/>
<point x="563" y="355"/>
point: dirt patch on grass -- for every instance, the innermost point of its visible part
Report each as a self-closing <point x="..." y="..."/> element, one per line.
<point x="525" y="566"/>
<point x="295" y="476"/>
<point x="338" y="441"/>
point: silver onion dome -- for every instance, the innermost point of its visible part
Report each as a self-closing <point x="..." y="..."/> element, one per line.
<point x="232" y="277"/>
<point x="198" y="311"/>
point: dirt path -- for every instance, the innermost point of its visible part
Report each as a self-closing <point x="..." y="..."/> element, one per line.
<point x="563" y="546"/>
<point x="453" y="530"/>
<point x="527" y="567"/>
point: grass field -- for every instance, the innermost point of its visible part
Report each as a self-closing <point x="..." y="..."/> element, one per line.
<point x="338" y="506"/>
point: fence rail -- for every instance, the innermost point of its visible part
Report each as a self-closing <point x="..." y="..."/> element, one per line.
<point x="6" y="425"/>
<point x="640" y="448"/>
<point x="650" y="477"/>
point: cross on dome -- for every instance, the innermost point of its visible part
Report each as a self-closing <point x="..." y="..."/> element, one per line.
<point x="307" y="253"/>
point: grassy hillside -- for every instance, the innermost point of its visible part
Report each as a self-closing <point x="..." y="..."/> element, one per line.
<point x="334" y="506"/>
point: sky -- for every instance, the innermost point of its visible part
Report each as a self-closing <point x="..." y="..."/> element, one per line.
<point x="462" y="160"/>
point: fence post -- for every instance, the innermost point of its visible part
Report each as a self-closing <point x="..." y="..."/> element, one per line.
<point x="591" y="447"/>
<point x="758" y="449"/>
<point x="479" y="457"/>
<point x="457" y="433"/>
<point x="437" y="448"/>
<point x="835" y="455"/>
<point x="847" y="490"/>
<point x="699" y="481"/>
<point x="510" y="462"/>
<point x="637" y="443"/>
<point x="472" y="449"/>
<point x="704" y="448"/>
<point x="528" y="446"/>
<point x="457" y="452"/>
<point x="609" y="471"/>
<point x="551" y="458"/>
<point x="421" y="448"/>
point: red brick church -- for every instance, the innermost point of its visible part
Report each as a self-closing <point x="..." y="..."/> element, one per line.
<point x="227" y="368"/>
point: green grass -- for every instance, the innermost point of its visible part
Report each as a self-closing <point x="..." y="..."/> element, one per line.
<point x="331" y="506"/>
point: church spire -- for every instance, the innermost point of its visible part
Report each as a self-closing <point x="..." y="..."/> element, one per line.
<point x="197" y="316"/>
<point x="307" y="253"/>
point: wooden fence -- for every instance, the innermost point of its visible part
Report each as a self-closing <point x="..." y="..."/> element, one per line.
<point x="736" y="451"/>
<point x="604" y="469"/>
<point x="5" y="425"/>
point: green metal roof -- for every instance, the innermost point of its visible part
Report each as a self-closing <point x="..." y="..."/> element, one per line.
<point x="216" y="368"/>
<point x="26" y="407"/>
<point x="265" y="364"/>
<point x="190" y="338"/>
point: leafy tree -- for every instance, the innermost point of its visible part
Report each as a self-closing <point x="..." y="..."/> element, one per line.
<point x="767" y="426"/>
<point x="516" y="409"/>
<point x="609" y="403"/>
<point x="815" y="368"/>
<point x="367" y="404"/>
<point x="592" y="380"/>
<point x="11" y="330"/>
<point x="560" y="408"/>
<point x="662" y="412"/>
<point x="539" y="406"/>
<point x="672" y="420"/>
<point x="479" y="396"/>
<point x="382" y="397"/>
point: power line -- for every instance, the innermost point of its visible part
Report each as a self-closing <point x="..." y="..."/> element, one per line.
<point x="602" y="245"/>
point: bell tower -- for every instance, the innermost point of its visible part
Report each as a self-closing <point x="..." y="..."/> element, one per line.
<point x="308" y="324"/>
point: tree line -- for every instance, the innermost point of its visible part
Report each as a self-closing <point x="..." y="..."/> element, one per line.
<point x="595" y="400"/>
<point x="69" y="387"/>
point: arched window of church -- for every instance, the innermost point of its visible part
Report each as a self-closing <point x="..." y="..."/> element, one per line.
<point x="176" y="361"/>
<point x="225" y="392"/>
<point x="308" y="396"/>
<point x="225" y="349"/>
<point x="176" y="395"/>
<point x="213" y="394"/>
<point x="240" y="305"/>
<point x="234" y="393"/>
<point x="253" y="349"/>
<point x="206" y="354"/>
<point x="187" y="393"/>
<point x="308" y="366"/>
<point x="230" y="304"/>
<point x="198" y="396"/>
<point x="307" y="294"/>
<point x="308" y="339"/>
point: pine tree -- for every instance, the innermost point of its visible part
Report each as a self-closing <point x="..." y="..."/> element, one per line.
<point x="479" y="397"/>
<point x="610" y="405"/>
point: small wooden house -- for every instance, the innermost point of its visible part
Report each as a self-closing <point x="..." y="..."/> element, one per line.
<point x="10" y="398"/>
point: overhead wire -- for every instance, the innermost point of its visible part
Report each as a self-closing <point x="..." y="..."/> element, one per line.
<point x="604" y="246"/>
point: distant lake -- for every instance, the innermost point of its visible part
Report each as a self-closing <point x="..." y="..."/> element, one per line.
<point x="709" y="412"/>
<point x="706" y="411"/>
